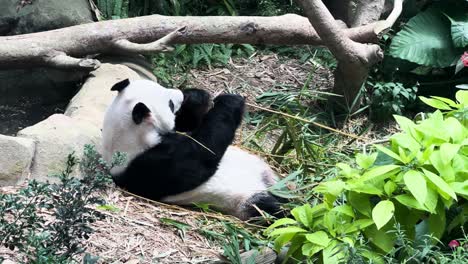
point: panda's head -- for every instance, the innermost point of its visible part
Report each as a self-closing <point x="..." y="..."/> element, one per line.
<point x="141" y="113"/>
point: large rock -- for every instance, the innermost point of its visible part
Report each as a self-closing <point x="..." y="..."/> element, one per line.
<point x="91" y="102"/>
<point x="42" y="15"/>
<point x="46" y="86"/>
<point x="55" y="138"/>
<point x="16" y="155"/>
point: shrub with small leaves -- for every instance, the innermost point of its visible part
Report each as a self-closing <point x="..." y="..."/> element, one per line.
<point x="47" y="223"/>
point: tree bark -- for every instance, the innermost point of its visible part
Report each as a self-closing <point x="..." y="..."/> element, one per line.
<point x="354" y="59"/>
<point x="364" y="12"/>
<point x="68" y="47"/>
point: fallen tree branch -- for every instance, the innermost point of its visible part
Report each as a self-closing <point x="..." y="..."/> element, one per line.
<point x="130" y="35"/>
<point x="160" y="45"/>
<point x="59" y="59"/>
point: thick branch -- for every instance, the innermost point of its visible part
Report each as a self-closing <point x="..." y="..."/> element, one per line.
<point x="78" y="41"/>
<point x="160" y="45"/>
<point x="61" y="60"/>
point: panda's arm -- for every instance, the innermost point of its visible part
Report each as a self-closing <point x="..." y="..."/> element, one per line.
<point x="194" y="107"/>
<point x="180" y="163"/>
<point x="218" y="127"/>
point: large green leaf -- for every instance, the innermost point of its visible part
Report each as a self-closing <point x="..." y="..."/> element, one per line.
<point x="426" y="40"/>
<point x="416" y="184"/>
<point x="460" y="33"/>
<point x="442" y="187"/>
<point x="319" y="238"/>
<point x="382" y="213"/>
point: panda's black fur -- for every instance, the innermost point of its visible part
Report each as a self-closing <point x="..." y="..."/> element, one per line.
<point x="184" y="163"/>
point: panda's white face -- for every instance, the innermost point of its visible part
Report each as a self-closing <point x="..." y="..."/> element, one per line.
<point x="128" y="127"/>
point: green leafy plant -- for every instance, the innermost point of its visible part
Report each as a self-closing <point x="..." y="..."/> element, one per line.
<point x="390" y="98"/>
<point x="458" y="109"/>
<point x="435" y="37"/>
<point x="412" y="184"/>
<point x="58" y="238"/>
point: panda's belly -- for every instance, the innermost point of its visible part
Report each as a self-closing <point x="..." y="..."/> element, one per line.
<point x="240" y="175"/>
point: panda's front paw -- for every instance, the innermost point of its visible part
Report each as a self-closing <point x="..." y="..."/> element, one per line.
<point x="232" y="104"/>
<point x="230" y="100"/>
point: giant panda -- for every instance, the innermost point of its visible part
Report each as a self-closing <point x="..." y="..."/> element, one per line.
<point x="174" y="168"/>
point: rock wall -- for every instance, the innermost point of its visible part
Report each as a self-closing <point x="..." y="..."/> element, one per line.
<point x="41" y="150"/>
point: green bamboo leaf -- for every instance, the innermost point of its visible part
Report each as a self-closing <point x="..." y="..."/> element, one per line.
<point x="416" y="184"/>
<point x="382" y="213"/>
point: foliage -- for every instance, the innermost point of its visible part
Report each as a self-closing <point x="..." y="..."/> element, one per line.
<point x="390" y="98"/>
<point x="413" y="184"/>
<point x="187" y="56"/>
<point x="55" y="238"/>
<point x="115" y="9"/>
<point x="458" y="109"/>
<point x="435" y="37"/>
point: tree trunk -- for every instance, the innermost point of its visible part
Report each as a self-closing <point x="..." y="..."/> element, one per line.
<point x="354" y="59"/>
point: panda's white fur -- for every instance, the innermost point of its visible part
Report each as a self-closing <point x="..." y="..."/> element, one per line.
<point x="121" y="134"/>
<point x="240" y="175"/>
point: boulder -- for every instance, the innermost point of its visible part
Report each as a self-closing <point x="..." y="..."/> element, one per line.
<point x="36" y="16"/>
<point x="55" y="138"/>
<point x="16" y="156"/>
<point x="91" y="102"/>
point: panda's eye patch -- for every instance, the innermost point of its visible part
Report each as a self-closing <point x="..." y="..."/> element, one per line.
<point x="171" y="105"/>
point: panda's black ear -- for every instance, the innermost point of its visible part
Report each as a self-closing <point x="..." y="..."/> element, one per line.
<point x="120" y="85"/>
<point x="140" y="112"/>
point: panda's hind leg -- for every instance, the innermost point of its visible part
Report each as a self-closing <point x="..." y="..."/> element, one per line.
<point x="263" y="201"/>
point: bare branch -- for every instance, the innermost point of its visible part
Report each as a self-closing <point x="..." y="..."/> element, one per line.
<point x="160" y="45"/>
<point x="384" y="26"/>
<point x="59" y="59"/>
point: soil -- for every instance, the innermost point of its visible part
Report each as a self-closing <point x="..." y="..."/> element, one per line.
<point x="26" y="112"/>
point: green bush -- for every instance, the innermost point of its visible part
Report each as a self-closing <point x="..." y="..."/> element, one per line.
<point x="59" y="236"/>
<point x="418" y="186"/>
